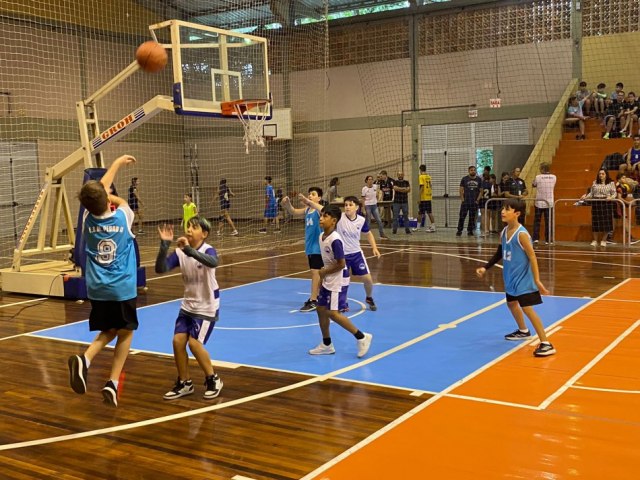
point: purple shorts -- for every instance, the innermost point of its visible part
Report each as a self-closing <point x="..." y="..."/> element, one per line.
<point x="333" y="300"/>
<point x="356" y="263"/>
<point x="195" y="327"/>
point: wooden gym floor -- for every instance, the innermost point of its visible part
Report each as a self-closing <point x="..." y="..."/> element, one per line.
<point x="572" y="415"/>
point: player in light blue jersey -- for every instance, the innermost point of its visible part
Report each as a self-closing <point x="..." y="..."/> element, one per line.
<point x="521" y="276"/>
<point x="333" y="296"/>
<point x="111" y="279"/>
<point x="199" y="309"/>
<point x="311" y="244"/>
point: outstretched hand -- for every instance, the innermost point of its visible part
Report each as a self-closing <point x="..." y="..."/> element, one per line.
<point x="126" y="159"/>
<point x="303" y="199"/>
<point x="166" y="232"/>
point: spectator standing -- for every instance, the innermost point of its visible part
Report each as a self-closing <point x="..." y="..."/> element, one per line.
<point x="370" y="200"/>
<point x="385" y="185"/>
<point x="516" y="188"/>
<point x="470" y="193"/>
<point x="332" y="192"/>
<point x="601" y="214"/>
<point x="426" y="197"/>
<point x="135" y="203"/>
<point x="544" y="184"/>
<point x="401" y="190"/>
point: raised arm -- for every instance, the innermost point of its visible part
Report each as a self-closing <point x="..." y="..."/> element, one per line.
<point x="309" y="203"/>
<point x="286" y="203"/>
<point x="110" y="175"/>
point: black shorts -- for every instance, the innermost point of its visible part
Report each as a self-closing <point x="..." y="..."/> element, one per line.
<point x="424" y="206"/>
<point x="527" y="299"/>
<point x="315" y="261"/>
<point x="107" y="315"/>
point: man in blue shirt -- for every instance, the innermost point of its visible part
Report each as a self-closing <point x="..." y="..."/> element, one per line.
<point x="111" y="279"/>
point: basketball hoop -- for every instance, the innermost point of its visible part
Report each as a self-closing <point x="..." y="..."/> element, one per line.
<point x="252" y="114"/>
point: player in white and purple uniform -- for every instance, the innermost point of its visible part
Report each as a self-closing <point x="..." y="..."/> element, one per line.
<point x="350" y="227"/>
<point x="332" y="296"/>
<point x="199" y="310"/>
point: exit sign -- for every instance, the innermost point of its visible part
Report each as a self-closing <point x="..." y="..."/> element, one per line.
<point x="495" y="102"/>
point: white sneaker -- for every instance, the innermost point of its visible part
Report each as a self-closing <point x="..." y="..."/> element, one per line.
<point x="594" y="244"/>
<point x="323" y="349"/>
<point x="364" y="344"/>
<point x="432" y="228"/>
<point x="234" y="233"/>
<point x="219" y="234"/>
<point x="603" y="243"/>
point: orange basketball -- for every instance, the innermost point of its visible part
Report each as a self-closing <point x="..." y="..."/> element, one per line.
<point x="151" y="56"/>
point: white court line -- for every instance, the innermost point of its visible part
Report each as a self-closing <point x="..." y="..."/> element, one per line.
<point x="240" y="477"/>
<point x="608" y="390"/>
<point x="436" y="397"/>
<point x="23" y="302"/>
<point x="489" y="400"/>
<point x="231" y="403"/>
<point x="588" y="366"/>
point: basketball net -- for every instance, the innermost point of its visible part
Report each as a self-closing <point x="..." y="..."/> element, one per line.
<point x="252" y="114"/>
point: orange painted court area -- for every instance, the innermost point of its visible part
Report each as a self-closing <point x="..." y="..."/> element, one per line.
<point x="572" y="415"/>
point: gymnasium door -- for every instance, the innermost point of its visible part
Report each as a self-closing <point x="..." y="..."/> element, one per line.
<point x="19" y="188"/>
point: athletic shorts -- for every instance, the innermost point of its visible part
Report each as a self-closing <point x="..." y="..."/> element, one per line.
<point x="424" y="207"/>
<point x="356" y="263"/>
<point x="195" y="327"/>
<point x="271" y="212"/>
<point x="333" y="300"/>
<point x="113" y="314"/>
<point x="526" y="299"/>
<point x="133" y="206"/>
<point x="225" y="205"/>
<point x="315" y="261"/>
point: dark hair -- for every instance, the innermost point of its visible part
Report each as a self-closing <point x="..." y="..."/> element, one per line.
<point x="268" y="178"/>
<point x="637" y="135"/>
<point x="223" y="181"/>
<point x="515" y="204"/>
<point x="601" y="85"/>
<point x="334" y="181"/>
<point x="620" y="84"/>
<point x="545" y="168"/>
<point x="352" y="199"/>
<point x="620" y="175"/>
<point x="333" y="211"/>
<point x="504" y="173"/>
<point x="572" y="98"/>
<point x="493" y="175"/>
<point x="94" y="197"/>
<point x="383" y="172"/>
<point x="134" y="180"/>
<point x="368" y="176"/>
<point x="423" y="168"/>
<point x="200" y="221"/>
<point x="583" y="84"/>
<point x="318" y="190"/>
<point x="631" y="93"/>
<point x="471" y="166"/>
<point x="607" y="178"/>
<point x="188" y="195"/>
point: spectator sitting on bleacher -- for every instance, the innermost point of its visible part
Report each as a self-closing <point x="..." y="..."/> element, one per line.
<point x="629" y="115"/>
<point x="575" y="116"/>
<point x="612" y="119"/>
<point x="632" y="158"/>
<point x="598" y="98"/>
<point x="624" y="189"/>
<point x="584" y="98"/>
<point x="614" y="95"/>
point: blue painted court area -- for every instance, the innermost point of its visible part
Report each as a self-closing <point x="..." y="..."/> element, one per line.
<point x="260" y="326"/>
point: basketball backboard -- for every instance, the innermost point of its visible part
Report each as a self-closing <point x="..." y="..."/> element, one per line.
<point x="211" y="66"/>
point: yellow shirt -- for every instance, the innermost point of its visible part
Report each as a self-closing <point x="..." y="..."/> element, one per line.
<point x="189" y="210"/>
<point x="425" y="187"/>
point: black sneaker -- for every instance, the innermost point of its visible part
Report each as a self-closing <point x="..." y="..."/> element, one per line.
<point x="309" y="306"/>
<point x="517" y="335"/>
<point x="180" y="389"/>
<point x="78" y="373"/>
<point x="262" y="230"/>
<point x="544" y="350"/>
<point x="458" y="234"/>
<point x="470" y="234"/>
<point x="371" y="303"/>
<point x="213" y="386"/>
<point x="110" y="394"/>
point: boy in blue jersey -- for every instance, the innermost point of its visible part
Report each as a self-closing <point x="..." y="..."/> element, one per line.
<point x="332" y="297"/>
<point x="311" y="243"/>
<point x="110" y="277"/>
<point x="270" y="207"/>
<point x="199" y="309"/>
<point x="521" y="276"/>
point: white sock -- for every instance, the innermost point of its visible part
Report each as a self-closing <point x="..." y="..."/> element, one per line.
<point x="526" y="330"/>
<point x="87" y="360"/>
<point x="115" y="382"/>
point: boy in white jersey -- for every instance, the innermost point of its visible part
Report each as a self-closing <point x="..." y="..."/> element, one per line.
<point x="199" y="310"/>
<point x="111" y="275"/>
<point x="350" y="227"/>
<point x="333" y="296"/>
<point x="521" y="276"/>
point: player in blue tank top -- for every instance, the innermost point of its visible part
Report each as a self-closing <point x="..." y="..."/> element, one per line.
<point x="110" y="277"/>
<point x="521" y="276"/>
<point x="312" y="233"/>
